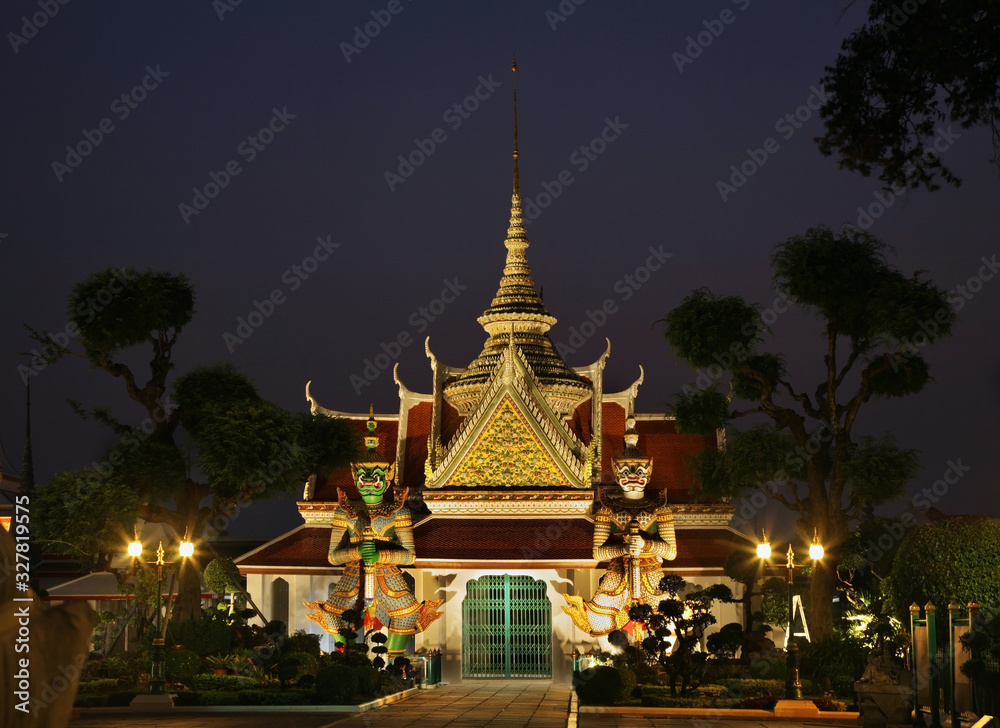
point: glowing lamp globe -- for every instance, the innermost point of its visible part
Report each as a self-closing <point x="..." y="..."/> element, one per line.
<point x="816" y="552"/>
<point x="135" y="549"/>
<point x="187" y="549"/>
<point x="764" y="550"/>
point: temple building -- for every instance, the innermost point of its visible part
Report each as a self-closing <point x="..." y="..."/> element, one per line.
<point x="503" y="461"/>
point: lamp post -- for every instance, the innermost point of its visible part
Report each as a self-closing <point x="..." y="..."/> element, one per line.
<point x="156" y="681"/>
<point x="793" y="688"/>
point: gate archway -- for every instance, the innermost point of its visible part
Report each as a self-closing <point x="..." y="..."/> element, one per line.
<point x="506" y="628"/>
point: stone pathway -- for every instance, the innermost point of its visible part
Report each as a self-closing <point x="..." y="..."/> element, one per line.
<point x="510" y="704"/>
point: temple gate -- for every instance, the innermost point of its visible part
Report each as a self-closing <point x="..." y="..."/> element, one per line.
<point x="507" y="628"/>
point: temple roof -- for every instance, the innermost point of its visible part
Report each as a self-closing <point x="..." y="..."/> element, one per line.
<point x="479" y="542"/>
<point x="518" y="311"/>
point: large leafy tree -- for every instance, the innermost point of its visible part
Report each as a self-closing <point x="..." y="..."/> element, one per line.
<point x="902" y="78"/>
<point x="805" y="451"/>
<point x="208" y="442"/>
<point x="955" y="559"/>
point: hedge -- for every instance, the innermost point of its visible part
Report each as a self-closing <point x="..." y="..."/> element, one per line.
<point x="208" y="681"/>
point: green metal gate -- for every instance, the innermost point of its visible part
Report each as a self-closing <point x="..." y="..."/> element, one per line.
<point x="506" y="628"/>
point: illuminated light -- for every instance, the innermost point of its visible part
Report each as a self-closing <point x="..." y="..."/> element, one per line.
<point x="816" y="550"/>
<point x="187" y="549"/>
<point x="135" y="549"/>
<point x="764" y="550"/>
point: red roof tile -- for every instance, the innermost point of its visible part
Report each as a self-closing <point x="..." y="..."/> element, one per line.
<point x="498" y="539"/>
<point x="307" y="547"/>
<point x="503" y="539"/>
<point x="580" y="422"/>
<point x="671" y="453"/>
<point x="450" y="422"/>
<point x="418" y="429"/>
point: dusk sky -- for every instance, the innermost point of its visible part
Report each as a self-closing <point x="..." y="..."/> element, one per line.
<point x="224" y="140"/>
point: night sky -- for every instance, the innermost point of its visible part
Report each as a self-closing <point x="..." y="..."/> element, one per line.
<point x="336" y="121"/>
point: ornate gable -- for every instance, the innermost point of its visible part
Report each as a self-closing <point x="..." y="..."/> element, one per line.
<point x="512" y="438"/>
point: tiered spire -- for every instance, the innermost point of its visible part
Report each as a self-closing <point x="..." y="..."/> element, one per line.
<point x="518" y="311"/>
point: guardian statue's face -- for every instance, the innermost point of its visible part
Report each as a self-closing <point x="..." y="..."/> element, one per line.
<point x="373" y="481"/>
<point x="633" y="477"/>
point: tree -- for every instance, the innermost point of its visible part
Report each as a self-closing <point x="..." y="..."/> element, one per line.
<point x="85" y="514"/>
<point x="744" y="567"/>
<point x="954" y="559"/>
<point x="223" y="577"/>
<point x="676" y="629"/>
<point x="910" y="69"/>
<point x="209" y="443"/>
<point x="806" y="453"/>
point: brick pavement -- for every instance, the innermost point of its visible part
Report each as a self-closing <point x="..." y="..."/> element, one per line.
<point x="506" y="704"/>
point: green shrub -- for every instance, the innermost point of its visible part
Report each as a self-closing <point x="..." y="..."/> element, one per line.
<point x="598" y="686"/>
<point x="707" y="696"/>
<point x="712" y="691"/>
<point x="100" y="685"/>
<point x="628" y="684"/>
<point x="760" y="688"/>
<point x="302" y="642"/>
<point x="181" y="665"/>
<point x="272" y="697"/>
<point x="368" y="681"/>
<point x="208" y="681"/>
<point x="296" y="664"/>
<point x="206" y="636"/>
<point x="336" y="685"/>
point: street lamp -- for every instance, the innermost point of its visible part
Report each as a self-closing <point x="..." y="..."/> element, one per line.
<point x="793" y="689"/>
<point x="156" y="681"/>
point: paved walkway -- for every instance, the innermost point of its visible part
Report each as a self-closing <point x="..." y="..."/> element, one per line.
<point x="509" y="704"/>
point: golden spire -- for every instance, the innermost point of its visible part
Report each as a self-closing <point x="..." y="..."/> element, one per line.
<point x="518" y="314"/>
<point x="517" y="179"/>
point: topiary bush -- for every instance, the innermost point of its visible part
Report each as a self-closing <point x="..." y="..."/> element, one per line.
<point x="629" y="683"/>
<point x="336" y="685"/>
<point x="954" y="558"/>
<point x="301" y="642"/>
<point x="181" y="665"/>
<point x="598" y="685"/>
<point x="368" y="681"/>
<point x="208" y="681"/>
<point x="206" y="636"/>
<point x="100" y="685"/>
